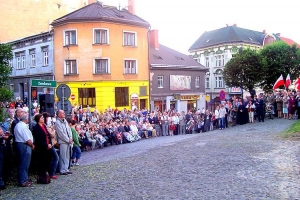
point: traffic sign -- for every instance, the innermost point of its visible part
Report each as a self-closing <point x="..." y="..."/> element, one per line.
<point x="207" y="98"/>
<point x="63" y="91"/>
<point x="72" y="97"/>
<point x="222" y="95"/>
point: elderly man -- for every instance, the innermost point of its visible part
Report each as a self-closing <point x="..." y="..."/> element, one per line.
<point x="24" y="146"/>
<point x="65" y="141"/>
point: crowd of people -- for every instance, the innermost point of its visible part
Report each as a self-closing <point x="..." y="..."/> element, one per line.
<point x="58" y="141"/>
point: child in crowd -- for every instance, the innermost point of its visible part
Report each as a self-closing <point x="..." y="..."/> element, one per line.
<point x="172" y="128"/>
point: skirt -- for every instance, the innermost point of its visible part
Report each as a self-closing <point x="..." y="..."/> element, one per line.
<point x="285" y="111"/>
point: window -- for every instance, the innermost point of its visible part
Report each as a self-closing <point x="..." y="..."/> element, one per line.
<point x="219" y="82"/>
<point x="220" y="60"/>
<point x="121" y="96"/>
<point x="102" y="66"/>
<point x="45" y="58"/>
<point x="130" y="67"/>
<point x="197" y="82"/>
<point x="32" y="60"/>
<point x="100" y="36"/>
<point x="70" y="37"/>
<point x="129" y="38"/>
<point x="160" y="80"/>
<point x="207" y="82"/>
<point x="87" y="96"/>
<point x="18" y="60"/>
<point x="70" y="67"/>
<point x="23" y="65"/>
<point x="207" y="62"/>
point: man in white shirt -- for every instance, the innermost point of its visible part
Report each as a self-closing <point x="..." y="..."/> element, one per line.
<point x="24" y="146"/>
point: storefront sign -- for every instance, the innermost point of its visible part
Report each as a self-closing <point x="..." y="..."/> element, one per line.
<point x="189" y="97"/>
<point x="43" y="83"/>
<point x="235" y="90"/>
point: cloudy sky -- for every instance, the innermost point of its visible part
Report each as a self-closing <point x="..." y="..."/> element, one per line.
<point x="180" y="23"/>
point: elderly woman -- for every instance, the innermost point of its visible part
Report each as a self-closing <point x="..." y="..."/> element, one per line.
<point x="43" y="145"/>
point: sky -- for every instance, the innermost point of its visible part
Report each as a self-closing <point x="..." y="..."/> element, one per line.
<point x="180" y="23"/>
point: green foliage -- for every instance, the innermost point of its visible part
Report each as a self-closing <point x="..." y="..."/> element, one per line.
<point x="244" y="70"/>
<point x="279" y="58"/>
<point x="6" y="94"/>
<point x="5" y="56"/>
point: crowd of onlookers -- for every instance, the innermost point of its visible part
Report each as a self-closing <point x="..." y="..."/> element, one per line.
<point x="57" y="141"/>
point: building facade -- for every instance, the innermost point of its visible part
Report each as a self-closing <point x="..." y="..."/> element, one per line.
<point x="32" y="59"/>
<point x="34" y="16"/>
<point x="101" y="53"/>
<point x="176" y="80"/>
<point x="214" y="49"/>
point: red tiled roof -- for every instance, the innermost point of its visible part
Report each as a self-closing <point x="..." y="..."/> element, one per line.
<point x="289" y="41"/>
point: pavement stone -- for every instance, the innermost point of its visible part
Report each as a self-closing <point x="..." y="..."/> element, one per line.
<point x="243" y="162"/>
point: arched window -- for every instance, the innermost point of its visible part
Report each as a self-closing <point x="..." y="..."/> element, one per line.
<point x="219" y="83"/>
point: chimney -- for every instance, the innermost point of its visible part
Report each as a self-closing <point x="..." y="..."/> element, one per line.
<point x="154" y="39"/>
<point x="131" y="6"/>
<point x="264" y="31"/>
<point x="92" y="1"/>
<point x="234" y="25"/>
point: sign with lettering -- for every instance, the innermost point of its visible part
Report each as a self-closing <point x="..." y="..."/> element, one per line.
<point x="235" y="90"/>
<point x="43" y="83"/>
<point x="189" y="97"/>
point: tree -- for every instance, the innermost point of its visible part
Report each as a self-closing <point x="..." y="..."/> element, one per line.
<point x="5" y="56"/>
<point x="244" y="70"/>
<point x="279" y="58"/>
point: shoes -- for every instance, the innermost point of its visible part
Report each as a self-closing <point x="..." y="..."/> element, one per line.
<point x="53" y="177"/>
<point x="29" y="180"/>
<point x="26" y="184"/>
<point x="65" y="173"/>
<point x="69" y="172"/>
<point x="77" y="164"/>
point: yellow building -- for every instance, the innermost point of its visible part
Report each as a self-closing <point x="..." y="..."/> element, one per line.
<point x="101" y="53"/>
<point x="29" y="17"/>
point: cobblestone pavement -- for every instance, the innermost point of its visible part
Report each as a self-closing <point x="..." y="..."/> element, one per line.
<point x="243" y="162"/>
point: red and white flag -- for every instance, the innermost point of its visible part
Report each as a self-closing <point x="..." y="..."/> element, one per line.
<point x="297" y="81"/>
<point x="287" y="81"/>
<point x="279" y="82"/>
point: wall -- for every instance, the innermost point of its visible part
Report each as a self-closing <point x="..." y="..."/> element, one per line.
<point x="27" y="17"/>
<point x="167" y="72"/>
<point x="85" y="52"/>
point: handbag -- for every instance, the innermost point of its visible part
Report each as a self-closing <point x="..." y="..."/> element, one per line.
<point x="43" y="179"/>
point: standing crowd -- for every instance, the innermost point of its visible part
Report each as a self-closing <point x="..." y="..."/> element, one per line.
<point x="54" y="144"/>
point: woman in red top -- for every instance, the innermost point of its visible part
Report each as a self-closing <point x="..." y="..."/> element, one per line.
<point x="43" y="144"/>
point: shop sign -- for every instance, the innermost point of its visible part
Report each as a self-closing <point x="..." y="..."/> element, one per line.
<point x="189" y="97"/>
<point x="235" y="90"/>
<point x="43" y="83"/>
